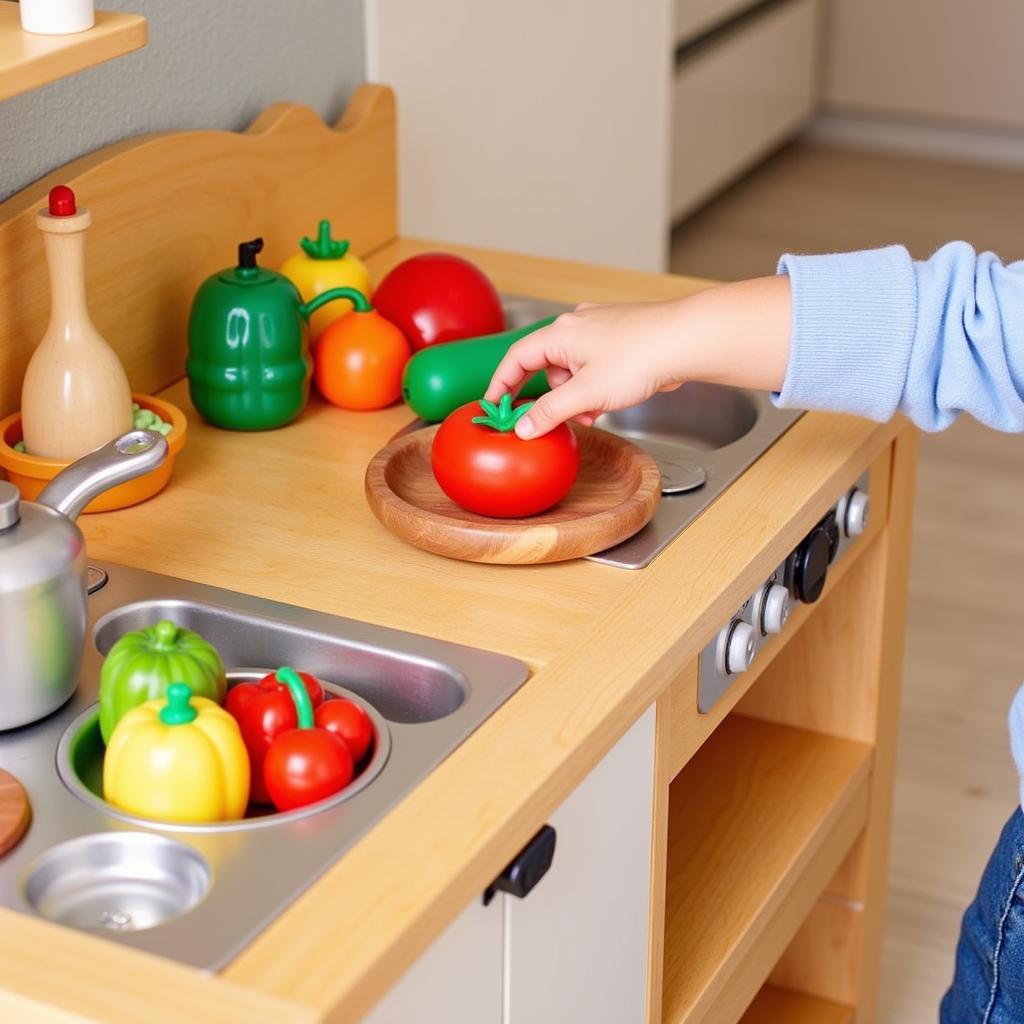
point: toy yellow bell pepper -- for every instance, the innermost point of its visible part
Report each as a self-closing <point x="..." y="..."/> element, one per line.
<point x="322" y="264"/>
<point x="180" y="759"/>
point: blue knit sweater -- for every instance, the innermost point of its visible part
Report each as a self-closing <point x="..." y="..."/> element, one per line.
<point x="877" y="332"/>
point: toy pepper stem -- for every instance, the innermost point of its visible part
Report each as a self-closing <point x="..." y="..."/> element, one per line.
<point x="178" y="710"/>
<point x="300" y="696"/>
<point x="356" y="297"/>
<point x="165" y="635"/>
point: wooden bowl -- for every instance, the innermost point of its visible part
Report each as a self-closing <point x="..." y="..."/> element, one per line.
<point x="614" y="496"/>
<point x="30" y="473"/>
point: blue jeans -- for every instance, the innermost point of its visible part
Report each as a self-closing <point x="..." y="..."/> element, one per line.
<point x="988" y="987"/>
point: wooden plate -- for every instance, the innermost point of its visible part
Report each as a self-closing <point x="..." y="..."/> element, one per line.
<point x="615" y="495"/>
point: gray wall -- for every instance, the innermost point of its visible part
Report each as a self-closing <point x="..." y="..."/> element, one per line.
<point x="208" y="64"/>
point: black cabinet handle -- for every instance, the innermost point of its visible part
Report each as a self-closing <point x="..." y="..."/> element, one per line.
<point x="526" y="869"/>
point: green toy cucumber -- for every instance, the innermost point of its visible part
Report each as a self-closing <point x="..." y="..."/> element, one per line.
<point x="440" y="378"/>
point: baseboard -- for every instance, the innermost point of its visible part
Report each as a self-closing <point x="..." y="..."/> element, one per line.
<point x="963" y="144"/>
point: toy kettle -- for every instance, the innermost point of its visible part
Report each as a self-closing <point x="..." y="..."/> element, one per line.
<point x="248" y="359"/>
<point x="43" y="576"/>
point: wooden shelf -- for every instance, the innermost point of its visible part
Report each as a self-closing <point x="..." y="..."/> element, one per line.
<point x="759" y="821"/>
<point x="28" y="61"/>
<point x="780" y="1006"/>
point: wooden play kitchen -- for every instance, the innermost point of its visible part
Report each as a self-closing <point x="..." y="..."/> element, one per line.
<point x="719" y="866"/>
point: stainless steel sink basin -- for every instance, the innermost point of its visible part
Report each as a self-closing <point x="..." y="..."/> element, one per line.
<point x="700" y="417"/>
<point x="199" y="893"/>
<point x="703" y="436"/>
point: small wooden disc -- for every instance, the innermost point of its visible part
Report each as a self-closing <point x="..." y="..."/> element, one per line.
<point x="614" y="496"/>
<point x="15" y="811"/>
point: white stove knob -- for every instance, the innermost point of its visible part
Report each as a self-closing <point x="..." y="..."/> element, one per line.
<point x="858" y="508"/>
<point x="741" y="648"/>
<point x="773" y="603"/>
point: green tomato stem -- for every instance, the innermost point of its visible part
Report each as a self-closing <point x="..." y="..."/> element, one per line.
<point x="501" y="417"/>
<point x="325" y="247"/>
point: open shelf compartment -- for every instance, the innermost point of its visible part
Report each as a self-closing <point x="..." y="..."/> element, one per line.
<point x="774" y="1005"/>
<point x="759" y="822"/>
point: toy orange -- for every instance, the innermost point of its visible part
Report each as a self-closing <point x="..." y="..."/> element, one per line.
<point x="359" y="358"/>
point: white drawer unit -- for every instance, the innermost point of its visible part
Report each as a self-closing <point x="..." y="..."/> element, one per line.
<point x="799" y="579"/>
<point x="693" y="18"/>
<point x="739" y="96"/>
<point x="562" y="934"/>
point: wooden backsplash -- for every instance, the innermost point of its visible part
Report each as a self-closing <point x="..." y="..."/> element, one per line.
<point x="168" y="210"/>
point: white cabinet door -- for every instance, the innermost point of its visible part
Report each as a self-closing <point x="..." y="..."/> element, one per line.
<point x="575" y="949"/>
<point x="927" y="58"/>
<point x="739" y="98"/>
<point x="458" y="980"/>
<point x="576" y="946"/>
<point x="531" y="126"/>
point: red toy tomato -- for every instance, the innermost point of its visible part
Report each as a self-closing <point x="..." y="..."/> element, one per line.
<point x="263" y="711"/>
<point x="483" y="466"/>
<point x="348" y="721"/>
<point x="359" y="358"/>
<point x="437" y="297"/>
<point x="304" y="765"/>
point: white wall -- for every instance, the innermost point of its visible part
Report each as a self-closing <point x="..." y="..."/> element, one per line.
<point x="208" y="63"/>
<point x="534" y="125"/>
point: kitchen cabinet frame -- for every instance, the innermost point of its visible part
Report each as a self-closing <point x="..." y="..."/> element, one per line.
<point x="345" y="941"/>
<point x="810" y="924"/>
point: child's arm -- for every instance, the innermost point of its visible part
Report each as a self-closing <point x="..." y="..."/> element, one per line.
<point x="610" y="357"/>
<point x="867" y="333"/>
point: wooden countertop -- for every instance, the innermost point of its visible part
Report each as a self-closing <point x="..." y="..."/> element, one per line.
<point x="282" y="515"/>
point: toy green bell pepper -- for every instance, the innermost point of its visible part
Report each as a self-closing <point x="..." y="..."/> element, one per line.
<point x="143" y="663"/>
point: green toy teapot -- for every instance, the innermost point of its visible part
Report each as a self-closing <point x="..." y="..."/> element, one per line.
<point x="248" y="359"/>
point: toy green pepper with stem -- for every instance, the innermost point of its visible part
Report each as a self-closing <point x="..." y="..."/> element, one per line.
<point x="142" y="664"/>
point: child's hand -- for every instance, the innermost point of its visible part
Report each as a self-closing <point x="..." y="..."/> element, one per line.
<point x="597" y="358"/>
<point x="600" y="358"/>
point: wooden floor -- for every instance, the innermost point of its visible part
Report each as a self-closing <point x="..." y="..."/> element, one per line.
<point x="955" y="780"/>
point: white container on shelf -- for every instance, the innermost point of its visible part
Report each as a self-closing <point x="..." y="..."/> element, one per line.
<point x="57" y="17"/>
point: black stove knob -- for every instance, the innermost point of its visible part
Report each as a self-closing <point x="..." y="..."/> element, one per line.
<point x="810" y="565"/>
<point x="831" y="528"/>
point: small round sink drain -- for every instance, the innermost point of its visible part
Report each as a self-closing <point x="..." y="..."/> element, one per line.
<point x="119" y="881"/>
<point x="117" y="920"/>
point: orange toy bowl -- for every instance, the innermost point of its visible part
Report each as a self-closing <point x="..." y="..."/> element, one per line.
<point x="31" y="474"/>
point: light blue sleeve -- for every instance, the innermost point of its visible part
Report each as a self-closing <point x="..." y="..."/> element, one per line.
<point x="875" y="332"/>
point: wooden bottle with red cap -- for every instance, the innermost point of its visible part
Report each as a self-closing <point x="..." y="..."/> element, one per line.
<point x="75" y="396"/>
